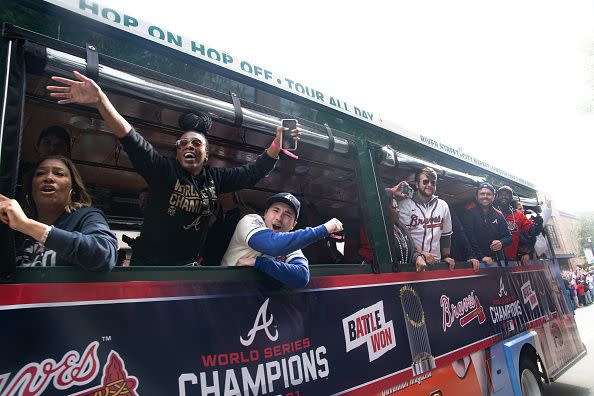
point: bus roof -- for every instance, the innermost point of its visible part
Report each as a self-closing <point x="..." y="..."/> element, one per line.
<point x="215" y="56"/>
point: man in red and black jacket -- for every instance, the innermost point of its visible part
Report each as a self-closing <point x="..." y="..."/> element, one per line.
<point x="517" y="222"/>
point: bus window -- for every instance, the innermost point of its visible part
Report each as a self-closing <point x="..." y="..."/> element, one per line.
<point x="412" y="230"/>
<point x="324" y="181"/>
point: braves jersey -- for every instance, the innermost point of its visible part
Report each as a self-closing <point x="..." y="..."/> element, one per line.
<point x="427" y="223"/>
<point x="239" y="247"/>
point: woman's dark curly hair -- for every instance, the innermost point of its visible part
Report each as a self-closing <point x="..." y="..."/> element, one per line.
<point x="196" y="122"/>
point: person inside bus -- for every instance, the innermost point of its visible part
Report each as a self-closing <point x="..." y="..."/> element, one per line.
<point x="460" y="246"/>
<point x="53" y="140"/>
<point x="526" y="247"/>
<point x="62" y="228"/>
<point x="486" y="228"/>
<point x="427" y="218"/>
<point x="183" y="190"/>
<point x="540" y="246"/>
<point x="269" y="244"/>
<point x="517" y="222"/>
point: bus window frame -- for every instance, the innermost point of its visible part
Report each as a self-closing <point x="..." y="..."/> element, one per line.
<point x="11" y="137"/>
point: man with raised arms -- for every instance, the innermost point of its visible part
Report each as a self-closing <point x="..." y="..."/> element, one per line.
<point x="268" y="244"/>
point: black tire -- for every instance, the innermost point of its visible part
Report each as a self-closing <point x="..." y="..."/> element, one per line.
<point x="530" y="379"/>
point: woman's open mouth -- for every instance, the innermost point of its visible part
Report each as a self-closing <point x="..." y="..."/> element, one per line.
<point x="47" y="189"/>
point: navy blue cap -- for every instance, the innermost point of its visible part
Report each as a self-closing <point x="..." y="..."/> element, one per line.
<point x="486" y="185"/>
<point x="287" y="198"/>
<point x="508" y="188"/>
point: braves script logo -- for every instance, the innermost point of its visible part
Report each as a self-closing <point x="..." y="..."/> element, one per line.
<point x="466" y="310"/>
<point x="368" y="325"/>
<point x="431" y="222"/>
<point x="261" y="323"/>
<point x="71" y="370"/>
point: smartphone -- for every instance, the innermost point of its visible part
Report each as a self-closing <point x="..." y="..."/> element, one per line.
<point x="408" y="191"/>
<point x="287" y="142"/>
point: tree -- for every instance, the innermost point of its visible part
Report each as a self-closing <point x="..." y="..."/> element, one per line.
<point x="585" y="230"/>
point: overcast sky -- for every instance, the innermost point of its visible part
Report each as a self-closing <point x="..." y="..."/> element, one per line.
<point x="509" y="81"/>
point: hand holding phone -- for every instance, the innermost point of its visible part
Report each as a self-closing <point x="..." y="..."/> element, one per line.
<point x="288" y="142"/>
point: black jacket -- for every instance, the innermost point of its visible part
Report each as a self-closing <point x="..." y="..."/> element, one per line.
<point x="483" y="229"/>
<point x="180" y="204"/>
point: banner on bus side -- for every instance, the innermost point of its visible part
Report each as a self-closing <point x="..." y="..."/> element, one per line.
<point x="209" y="338"/>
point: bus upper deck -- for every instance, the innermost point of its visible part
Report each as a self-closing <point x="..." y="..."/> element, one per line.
<point x="338" y="153"/>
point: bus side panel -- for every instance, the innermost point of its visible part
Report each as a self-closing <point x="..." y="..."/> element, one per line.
<point x="560" y="344"/>
<point x="464" y="376"/>
<point x="500" y="381"/>
<point x="364" y="334"/>
<point x="559" y="338"/>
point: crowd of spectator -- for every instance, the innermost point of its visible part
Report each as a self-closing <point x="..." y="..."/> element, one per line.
<point x="580" y="285"/>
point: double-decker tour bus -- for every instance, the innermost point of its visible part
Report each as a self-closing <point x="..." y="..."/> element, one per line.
<point x="366" y="323"/>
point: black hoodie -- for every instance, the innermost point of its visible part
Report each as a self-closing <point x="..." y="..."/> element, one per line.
<point x="180" y="204"/>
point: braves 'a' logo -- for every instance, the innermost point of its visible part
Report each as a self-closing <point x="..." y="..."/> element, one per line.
<point x="261" y="323"/>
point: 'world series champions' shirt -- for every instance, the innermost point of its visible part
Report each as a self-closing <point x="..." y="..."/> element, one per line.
<point x="176" y="217"/>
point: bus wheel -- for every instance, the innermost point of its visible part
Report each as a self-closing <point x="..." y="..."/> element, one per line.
<point x="530" y="378"/>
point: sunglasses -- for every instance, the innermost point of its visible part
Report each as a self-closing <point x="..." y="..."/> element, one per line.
<point x="184" y="142"/>
<point x="427" y="182"/>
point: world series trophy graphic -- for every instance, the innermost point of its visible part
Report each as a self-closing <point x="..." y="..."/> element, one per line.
<point x="416" y="329"/>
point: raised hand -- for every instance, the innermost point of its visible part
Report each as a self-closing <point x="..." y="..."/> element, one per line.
<point x="333" y="225"/>
<point x="12" y="214"/>
<point x="84" y="91"/>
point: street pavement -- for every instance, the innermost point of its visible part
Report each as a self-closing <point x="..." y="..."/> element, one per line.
<point x="578" y="380"/>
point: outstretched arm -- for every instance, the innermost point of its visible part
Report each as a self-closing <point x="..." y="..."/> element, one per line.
<point x="86" y="91"/>
<point x="146" y="160"/>
<point x="282" y="243"/>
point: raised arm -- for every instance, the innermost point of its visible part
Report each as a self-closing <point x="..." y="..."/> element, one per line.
<point x="146" y="160"/>
<point x="233" y="179"/>
<point x="282" y="243"/>
<point x="86" y="91"/>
